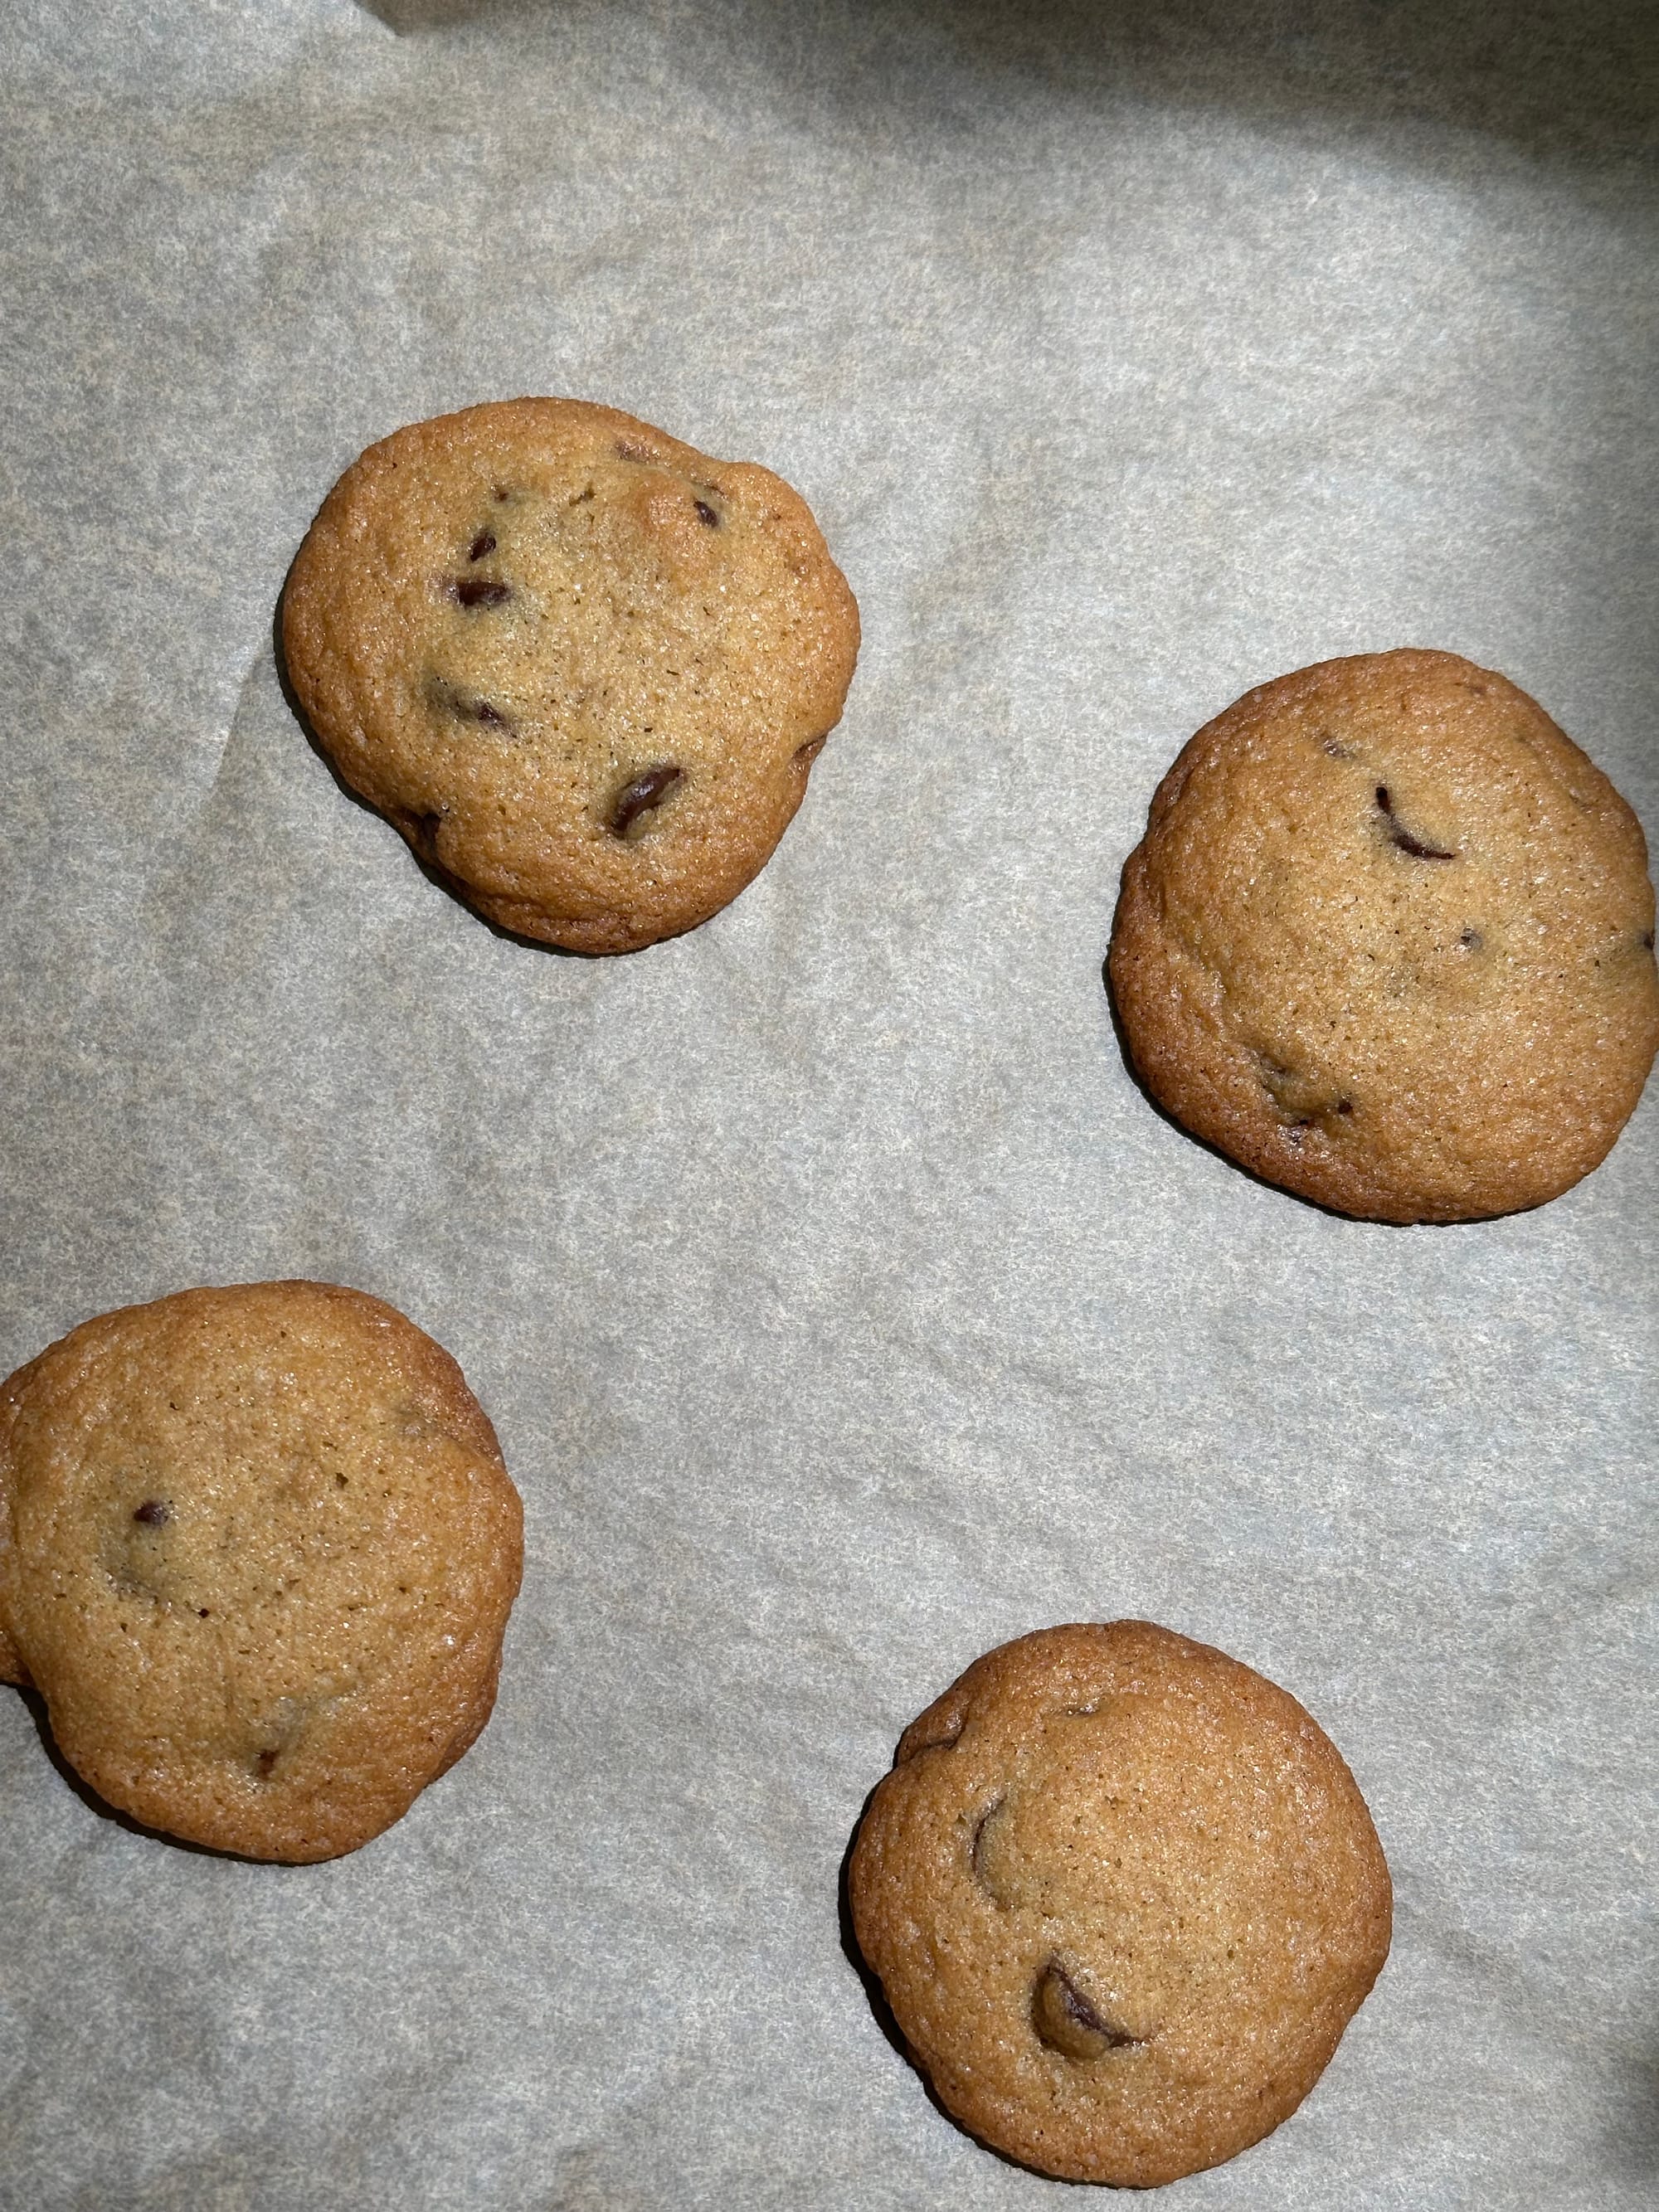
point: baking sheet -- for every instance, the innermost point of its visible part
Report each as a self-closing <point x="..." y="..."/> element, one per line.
<point x="842" y="1306"/>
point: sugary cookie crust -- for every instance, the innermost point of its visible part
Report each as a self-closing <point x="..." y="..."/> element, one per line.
<point x="584" y="668"/>
<point x="258" y="1547"/>
<point x="1122" y="1896"/>
<point x="1389" y="942"/>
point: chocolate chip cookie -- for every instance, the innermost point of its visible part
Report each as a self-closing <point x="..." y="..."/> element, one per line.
<point x="1123" y="1896"/>
<point x="582" y="667"/>
<point x="258" y="1547"/>
<point x="1389" y="941"/>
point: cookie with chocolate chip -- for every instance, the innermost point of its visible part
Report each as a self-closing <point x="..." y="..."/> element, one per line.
<point x="258" y="1547"/>
<point x="582" y="667"/>
<point x="1122" y="1897"/>
<point x="1389" y="942"/>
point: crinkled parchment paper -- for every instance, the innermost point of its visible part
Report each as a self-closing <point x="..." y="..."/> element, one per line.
<point x="843" y="1307"/>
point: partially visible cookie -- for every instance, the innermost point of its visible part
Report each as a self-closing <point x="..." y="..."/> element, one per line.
<point x="582" y="667"/>
<point x="1123" y="1896"/>
<point x="1389" y="941"/>
<point x="258" y="1547"/>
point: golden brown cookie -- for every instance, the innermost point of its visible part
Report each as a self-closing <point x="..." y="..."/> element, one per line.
<point x="1389" y="942"/>
<point x="582" y="667"/>
<point x="258" y="1548"/>
<point x="1123" y="1897"/>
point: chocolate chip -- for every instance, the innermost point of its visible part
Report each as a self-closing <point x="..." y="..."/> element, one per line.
<point x="1471" y="940"/>
<point x="1403" y="837"/>
<point x="641" y="795"/>
<point x="1345" y="1105"/>
<point x="480" y="591"/>
<point x="705" y="513"/>
<point x="265" y="1762"/>
<point x="153" y="1513"/>
<point x="483" y="544"/>
<point x="1647" y="940"/>
<point x="1065" y="2020"/>
<point x="466" y="705"/>
<point x="1418" y="850"/>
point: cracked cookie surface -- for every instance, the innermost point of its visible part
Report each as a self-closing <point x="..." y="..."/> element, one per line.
<point x="258" y="1547"/>
<point x="1122" y="1896"/>
<point x="1389" y="942"/>
<point x="583" y="668"/>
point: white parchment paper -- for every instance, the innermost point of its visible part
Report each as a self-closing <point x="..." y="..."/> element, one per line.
<point x="842" y="1306"/>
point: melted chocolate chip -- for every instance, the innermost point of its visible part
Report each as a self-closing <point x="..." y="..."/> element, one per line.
<point x="153" y="1513"/>
<point x="639" y="797"/>
<point x="480" y="591"/>
<point x="1065" y="2020"/>
<point x="265" y="1762"/>
<point x="1403" y="838"/>
<point x="483" y="544"/>
<point x="705" y="513"/>
<point x="1647" y="940"/>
